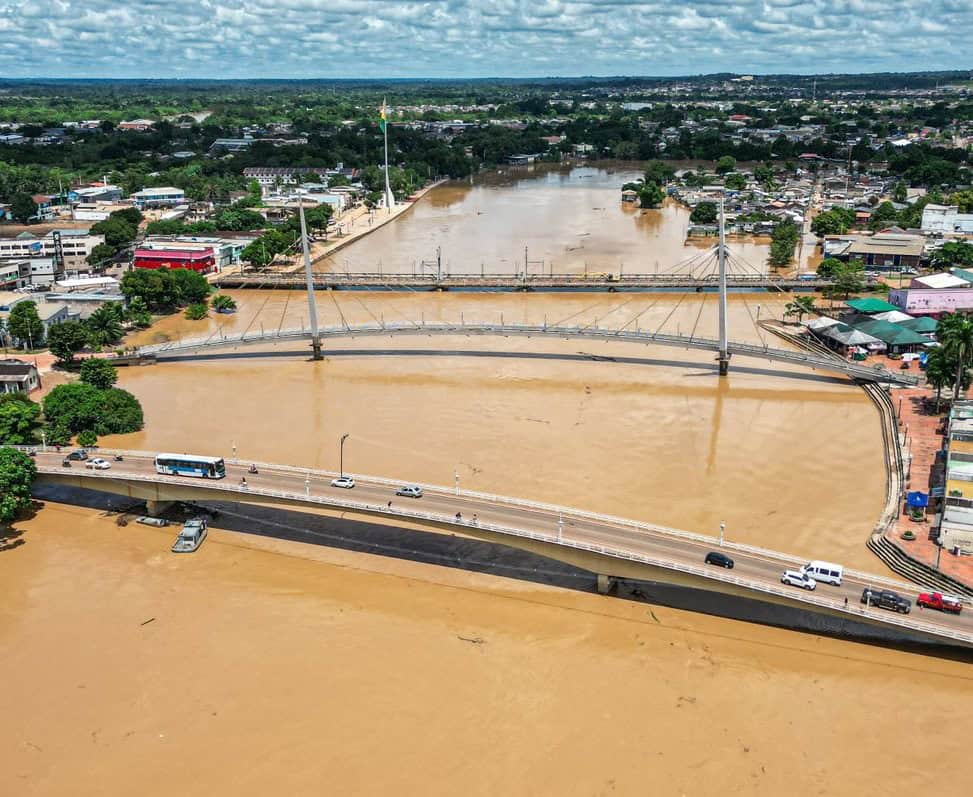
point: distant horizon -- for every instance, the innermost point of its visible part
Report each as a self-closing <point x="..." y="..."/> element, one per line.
<point x="477" y="39"/>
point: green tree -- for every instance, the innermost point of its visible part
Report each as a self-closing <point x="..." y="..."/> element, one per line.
<point x="848" y="278"/>
<point x="704" y="213"/>
<point x="78" y="406"/>
<point x="23" y="207"/>
<point x="883" y="215"/>
<point x="900" y="194"/>
<point x="735" y="181"/>
<point x="191" y="287"/>
<point x="955" y="333"/>
<point x="66" y="339"/>
<point x="659" y="172"/>
<point x="651" y="196"/>
<point x="829" y="267"/>
<point x="939" y="372"/>
<point x="105" y="324"/>
<point x="763" y="174"/>
<point x="118" y="232"/>
<point x="17" y="473"/>
<point x="137" y="312"/>
<point x="726" y="164"/>
<point x="156" y="287"/>
<point x="18" y="419"/>
<point x="100" y="255"/>
<point x="783" y="241"/>
<point x="197" y="311"/>
<point x="87" y="439"/>
<point x="99" y="372"/>
<point x="952" y="254"/>
<point x="801" y="306"/>
<point x="223" y="303"/>
<point x="25" y="325"/>
<point x="836" y="221"/>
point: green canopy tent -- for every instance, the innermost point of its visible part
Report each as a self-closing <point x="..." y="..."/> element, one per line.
<point x="896" y="336"/>
<point x="870" y="305"/>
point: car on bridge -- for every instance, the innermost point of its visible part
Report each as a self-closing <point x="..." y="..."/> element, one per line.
<point x="797" y="578"/>
<point x="886" y="599"/>
<point x="719" y="559"/>
<point x="943" y="603"/>
<point x="409" y="491"/>
<point x="344" y="482"/>
<point x="98" y="464"/>
<point x="77" y="456"/>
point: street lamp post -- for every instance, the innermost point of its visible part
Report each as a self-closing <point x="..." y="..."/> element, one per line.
<point x="560" y="526"/>
<point x="234" y="451"/>
<point x="722" y="531"/>
<point x="307" y="485"/>
<point x="456" y="481"/>
<point x="341" y="455"/>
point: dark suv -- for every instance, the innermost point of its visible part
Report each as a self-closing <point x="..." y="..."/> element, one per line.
<point x="77" y="456"/>
<point x="886" y="599"/>
<point x="719" y="559"/>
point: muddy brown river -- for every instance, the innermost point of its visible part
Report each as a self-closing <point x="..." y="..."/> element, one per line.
<point x="260" y="666"/>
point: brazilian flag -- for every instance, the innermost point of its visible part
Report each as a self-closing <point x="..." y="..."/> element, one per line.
<point x="382" y="117"/>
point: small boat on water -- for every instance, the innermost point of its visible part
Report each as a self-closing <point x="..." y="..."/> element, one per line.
<point x="147" y="520"/>
<point x="191" y="536"/>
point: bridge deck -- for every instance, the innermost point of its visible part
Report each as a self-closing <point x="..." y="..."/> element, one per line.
<point x="516" y="282"/>
<point x="609" y="539"/>
<point x="804" y="359"/>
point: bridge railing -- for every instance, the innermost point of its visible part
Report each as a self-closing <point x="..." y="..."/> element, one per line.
<point x="567" y="513"/>
<point x="615" y="553"/>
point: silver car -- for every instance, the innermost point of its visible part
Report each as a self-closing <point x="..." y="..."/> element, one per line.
<point x="409" y="491"/>
<point x="798" y="579"/>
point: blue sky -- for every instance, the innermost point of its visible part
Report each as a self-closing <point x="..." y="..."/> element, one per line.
<point x="477" y="38"/>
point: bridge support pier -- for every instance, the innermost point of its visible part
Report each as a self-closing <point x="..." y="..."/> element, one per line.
<point x="155" y="507"/>
<point x="724" y="360"/>
<point x="605" y="583"/>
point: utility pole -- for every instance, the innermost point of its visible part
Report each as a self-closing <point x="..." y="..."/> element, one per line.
<point x="341" y="455"/>
<point x="311" y="308"/>
<point x="724" y="355"/>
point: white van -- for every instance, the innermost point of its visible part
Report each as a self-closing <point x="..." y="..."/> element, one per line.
<point x="827" y="572"/>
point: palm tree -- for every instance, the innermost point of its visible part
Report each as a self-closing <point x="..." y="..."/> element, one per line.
<point x="801" y="306"/>
<point x="939" y="372"/>
<point x="955" y="333"/>
<point x="104" y="325"/>
<point x="222" y="303"/>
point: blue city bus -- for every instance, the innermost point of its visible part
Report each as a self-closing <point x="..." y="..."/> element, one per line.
<point x="190" y="465"/>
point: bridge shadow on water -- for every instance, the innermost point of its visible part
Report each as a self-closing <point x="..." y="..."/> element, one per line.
<point x="476" y="556"/>
<point x="704" y="369"/>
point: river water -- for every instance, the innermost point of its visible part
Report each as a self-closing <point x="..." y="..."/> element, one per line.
<point x="261" y="666"/>
<point x="567" y="218"/>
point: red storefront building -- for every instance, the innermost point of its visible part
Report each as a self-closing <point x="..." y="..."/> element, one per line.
<point x="201" y="260"/>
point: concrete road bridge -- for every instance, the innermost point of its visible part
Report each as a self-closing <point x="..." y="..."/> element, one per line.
<point x="610" y="547"/>
<point x="185" y="349"/>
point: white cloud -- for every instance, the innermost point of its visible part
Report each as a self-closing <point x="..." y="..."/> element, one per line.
<point x="443" y="38"/>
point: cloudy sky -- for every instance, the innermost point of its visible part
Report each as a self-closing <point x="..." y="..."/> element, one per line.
<point x="477" y="38"/>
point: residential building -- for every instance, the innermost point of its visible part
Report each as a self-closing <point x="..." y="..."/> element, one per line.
<point x="956" y="524"/>
<point x="136" y="125"/>
<point x="97" y="192"/>
<point x="196" y="259"/>
<point x="231" y="144"/>
<point x="50" y="313"/>
<point x="946" y="219"/>
<point x="884" y="250"/>
<point x="38" y="271"/>
<point x="72" y="246"/>
<point x="17" y="376"/>
<point x="161" y="196"/>
<point x="96" y="211"/>
<point x="45" y="210"/>
<point x="10" y="271"/>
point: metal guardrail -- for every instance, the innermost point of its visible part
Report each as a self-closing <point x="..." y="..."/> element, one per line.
<point x="711" y="574"/>
<point x="528" y="330"/>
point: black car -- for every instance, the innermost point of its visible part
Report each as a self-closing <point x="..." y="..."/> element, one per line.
<point x="886" y="599"/>
<point x="719" y="559"/>
<point x="78" y="456"/>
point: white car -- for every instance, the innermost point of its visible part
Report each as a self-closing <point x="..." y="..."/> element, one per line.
<point x="410" y="491"/>
<point x="98" y="464"/>
<point x="798" y="579"/>
<point x="344" y="482"/>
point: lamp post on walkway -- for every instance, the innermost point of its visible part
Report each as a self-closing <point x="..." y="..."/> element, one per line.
<point x="560" y="526"/>
<point x="455" y="481"/>
<point x="341" y="455"/>
<point x="722" y="531"/>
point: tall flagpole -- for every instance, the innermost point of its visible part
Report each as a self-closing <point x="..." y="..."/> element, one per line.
<point x="724" y="355"/>
<point x="389" y="198"/>
<point x="312" y="309"/>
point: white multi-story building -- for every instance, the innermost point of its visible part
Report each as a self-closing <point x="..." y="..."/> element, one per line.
<point x="946" y="219"/>
<point x="162" y="196"/>
<point x="76" y="245"/>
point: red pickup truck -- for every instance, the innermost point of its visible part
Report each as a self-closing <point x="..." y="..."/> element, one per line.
<point x="936" y="600"/>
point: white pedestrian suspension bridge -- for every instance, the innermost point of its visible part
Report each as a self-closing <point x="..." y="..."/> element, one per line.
<point x="630" y="332"/>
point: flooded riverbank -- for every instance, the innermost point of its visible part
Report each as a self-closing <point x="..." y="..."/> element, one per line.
<point x="556" y="217"/>
<point x="261" y="666"/>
